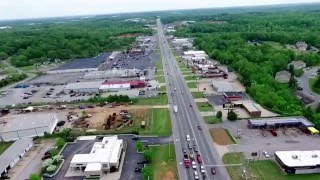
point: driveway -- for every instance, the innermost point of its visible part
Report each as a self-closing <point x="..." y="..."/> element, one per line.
<point x="304" y="83"/>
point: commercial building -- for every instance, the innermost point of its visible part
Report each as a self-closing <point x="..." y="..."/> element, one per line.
<point x="104" y="157"/>
<point x="83" y="87"/>
<point x="266" y="123"/>
<point x="222" y="86"/>
<point x="232" y="96"/>
<point x="26" y="125"/>
<point x="249" y="106"/>
<point x="298" y="162"/>
<point x="114" y="87"/>
<point x="195" y="53"/>
<point x="13" y="154"/>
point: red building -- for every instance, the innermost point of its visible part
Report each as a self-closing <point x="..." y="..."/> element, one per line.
<point x="232" y="96"/>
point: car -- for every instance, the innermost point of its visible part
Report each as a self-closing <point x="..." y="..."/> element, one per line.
<point x="175" y="89"/>
<point x="196" y="175"/>
<point x="189" y="146"/>
<point x="199" y="127"/>
<point x="299" y="88"/>
<point x="190" y="105"/>
<point x="202" y="169"/>
<point x="188" y="137"/>
<point x="199" y="159"/>
<point x="137" y="169"/>
<point x="213" y="171"/>
<point x="181" y="92"/>
<point x="61" y="123"/>
<point x="191" y="156"/>
<point x="170" y="102"/>
<point x="184" y="150"/>
<point x="140" y="162"/>
<point x="136" y="138"/>
<point x="265" y="153"/>
<point x="194" y="166"/>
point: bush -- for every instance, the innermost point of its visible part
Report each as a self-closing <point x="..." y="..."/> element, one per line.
<point x="60" y="142"/>
<point x="147" y="154"/>
<point x="51" y="168"/>
<point x="56" y="158"/>
<point x="139" y="146"/>
<point x="47" y="163"/>
<point x="34" y="177"/>
<point x="219" y="115"/>
<point x="232" y="116"/>
<point x="54" y="152"/>
<point x="146" y="172"/>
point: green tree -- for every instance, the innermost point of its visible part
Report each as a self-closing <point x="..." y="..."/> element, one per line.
<point x="318" y="108"/>
<point x="60" y="142"/>
<point x="147" y="154"/>
<point x="147" y="172"/>
<point x="219" y="115"/>
<point x="139" y="146"/>
<point x="3" y="56"/>
<point x="291" y="69"/>
<point x="34" y="177"/>
<point x="232" y="116"/>
<point x="292" y="82"/>
<point x="54" y="152"/>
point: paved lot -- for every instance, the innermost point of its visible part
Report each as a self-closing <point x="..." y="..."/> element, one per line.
<point x="219" y="100"/>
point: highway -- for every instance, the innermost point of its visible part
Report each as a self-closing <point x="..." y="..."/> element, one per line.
<point x="187" y="120"/>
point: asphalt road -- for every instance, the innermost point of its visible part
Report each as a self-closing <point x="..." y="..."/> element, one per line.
<point x="304" y="83"/>
<point x="187" y="120"/>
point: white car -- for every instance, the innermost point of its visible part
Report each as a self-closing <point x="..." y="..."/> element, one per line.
<point x="195" y="173"/>
<point x="188" y="137"/>
<point x="194" y="166"/>
<point x="202" y="170"/>
<point x="265" y="153"/>
<point x="170" y="101"/>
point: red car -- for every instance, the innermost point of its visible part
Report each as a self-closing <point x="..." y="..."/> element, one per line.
<point x="213" y="171"/>
<point x="199" y="159"/>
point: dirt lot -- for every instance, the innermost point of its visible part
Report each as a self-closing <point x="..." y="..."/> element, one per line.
<point x="220" y="136"/>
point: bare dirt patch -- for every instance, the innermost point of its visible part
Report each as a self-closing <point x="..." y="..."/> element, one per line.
<point x="221" y="136"/>
<point x="127" y="35"/>
<point x="167" y="174"/>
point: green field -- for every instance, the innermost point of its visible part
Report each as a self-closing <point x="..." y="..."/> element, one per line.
<point x="4" y="147"/>
<point x="197" y="95"/>
<point x="159" y="73"/>
<point x="193" y="77"/>
<point x="160" y="79"/>
<point x="204" y="106"/>
<point x="163" y="162"/>
<point x="163" y="88"/>
<point x="161" y="99"/>
<point x="211" y="120"/>
<point x="159" y="64"/>
<point x="192" y="84"/>
<point x="186" y="72"/>
<point x="159" y="123"/>
<point x="263" y="169"/>
<point x="311" y="82"/>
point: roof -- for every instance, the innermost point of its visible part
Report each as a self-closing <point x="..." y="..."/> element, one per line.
<point x="93" y="167"/>
<point x="106" y="151"/>
<point x="25" y="121"/>
<point x="92" y="62"/>
<point x="233" y="94"/>
<point x="280" y="120"/>
<point x="250" y="106"/>
<point x="115" y="86"/>
<point x="131" y="82"/>
<point x="222" y="86"/>
<point x="13" y="152"/>
<point x="83" y="85"/>
<point x="194" y="52"/>
<point x="283" y="73"/>
<point x="299" y="158"/>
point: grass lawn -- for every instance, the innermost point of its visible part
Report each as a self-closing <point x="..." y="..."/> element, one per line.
<point x="185" y="69"/>
<point x="187" y="73"/>
<point x="160" y="79"/>
<point x="212" y="120"/>
<point x="192" y="84"/>
<point x="163" y="88"/>
<point x="204" y="106"/>
<point x="159" y="64"/>
<point x="192" y="77"/>
<point x="27" y="68"/>
<point x="197" y="94"/>
<point x="164" y="162"/>
<point x="4" y="147"/>
<point x="161" y="99"/>
<point x="221" y="136"/>
<point x="311" y="83"/>
<point x="159" y="73"/>
<point x="263" y="169"/>
<point x="159" y="123"/>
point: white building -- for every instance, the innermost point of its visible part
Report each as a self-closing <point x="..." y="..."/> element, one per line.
<point x="194" y="53"/>
<point x="83" y="87"/>
<point x="222" y="86"/>
<point x="299" y="162"/>
<point x="13" y="154"/>
<point x="27" y="125"/>
<point x="114" y="87"/>
<point x="103" y="156"/>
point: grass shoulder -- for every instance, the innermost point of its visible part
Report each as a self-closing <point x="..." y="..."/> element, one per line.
<point x="204" y="106"/>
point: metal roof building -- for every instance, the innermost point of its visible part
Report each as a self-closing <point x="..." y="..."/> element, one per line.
<point x="222" y="86"/>
<point x="299" y="162"/>
<point x="92" y="86"/>
<point x="13" y="154"/>
<point x="27" y="125"/>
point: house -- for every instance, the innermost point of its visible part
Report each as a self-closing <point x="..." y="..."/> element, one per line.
<point x="297" y="65"/>
<point x="283" y="76"/>
<point x="302" y="46"/>
<point x="13" y="154"/>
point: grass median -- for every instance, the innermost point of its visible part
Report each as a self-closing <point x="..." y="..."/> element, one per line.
<point x="161" y="99"/>
<point x="204" y="106"/>
<point x="197" y="95"/>
<point x="192" y="84"/>
<point x="212" y="120"/>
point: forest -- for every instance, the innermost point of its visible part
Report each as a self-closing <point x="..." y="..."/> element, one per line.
<point x="64" y="39"/>
<point x="225" y="38"/>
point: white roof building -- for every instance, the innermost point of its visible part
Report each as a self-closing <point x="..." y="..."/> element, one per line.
<point x="222" y="86"/>
<point x="299" y="158"/>
<point x="27" y="125"/>
<point x="103" y="155"/>
<point x="92" y="86"/>
<point x="115" y="87"/>
<point x="194" y="53"/>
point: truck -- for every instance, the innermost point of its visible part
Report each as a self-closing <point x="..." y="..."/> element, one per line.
<point x="186" y="161"/>
<point x="175" y="109"/>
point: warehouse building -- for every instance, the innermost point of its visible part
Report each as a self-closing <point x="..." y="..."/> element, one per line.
<point x="104" y="157"/>
<point x="83" y="87"/>
<point x="13" y="154"/>
<point x="222" y="86"/>
<point x="298" y="162"/>
<point x="249" y="106"/>
<point x="265" y="123"/>
<point x="114" y="87"/>
<point x="27" y="125"/>
<point x="195" y="53"/>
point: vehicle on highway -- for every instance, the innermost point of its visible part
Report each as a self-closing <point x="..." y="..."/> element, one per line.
<point x="202" y="170"/>
<point x="199" y="159"/>
<point x="199" y="127"/>
<point x="188" y="137"/>
<point x="265" y="153"/>
<point x="181" y="92"/>
<point x="189" y="146"/>
<point x="170" y="102"/>
<point x="213" y="171"/>
<point x="194" y="165"/>
<point x="190" y="105"/>
<point x="191" y="156"/>
<point x="175" y="89"/>
<point x="175" y="109"/>
<point x="186" y="161"/>
<point x="196" y="175"/>
<point x="184" y="150"/>
<point x="195" y="148"/>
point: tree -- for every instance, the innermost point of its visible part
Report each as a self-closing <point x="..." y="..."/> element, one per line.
<point x="139" y="146"/>
<point x="147" y="154"/>
<point x="291" y="69"/>
<point x="219" y="115"/>
<point x="51" y="168"/>
<point x="232" y="116"/>
<point x="54" y="152"/>
<point x="34" y="177"/>
<point x="318" y="108"/>
<point x="60" y="142"/>
<point x="3" y="56"/>
<point x="292" y="81"/>
<point x="146" y="172"/>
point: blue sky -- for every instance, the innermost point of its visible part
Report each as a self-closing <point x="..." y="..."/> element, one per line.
<point x="21" y="9"/>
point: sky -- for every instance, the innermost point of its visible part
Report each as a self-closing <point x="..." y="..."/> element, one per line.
<point x="24" y="9"/>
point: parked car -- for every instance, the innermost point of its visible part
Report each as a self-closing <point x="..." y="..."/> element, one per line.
<point x="265" y="153"/>
<point x="61" y="123"/>
<point x="45" y="157"/>
<point x="299" y="88"/>
<point x="213" y="171"/>
<point x="136" y="138"/>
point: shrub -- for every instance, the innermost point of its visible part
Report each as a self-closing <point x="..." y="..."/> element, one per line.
<point x="34" y="177"/>
<point x="219" y="114"/>
<point x="232" y="116"/>
<point x="146" y="172"/>
<point x="54" y="152"/>
<point x="147" y="154"/>
<point x="139" y="146"/>
<point x="60" y="142"/>
<point x="56" y="158"/>
<point x="51" y="168"/>
<point x="47" y="163"/>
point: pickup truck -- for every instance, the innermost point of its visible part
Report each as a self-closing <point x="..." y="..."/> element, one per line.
<point x="186" y="161"/>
